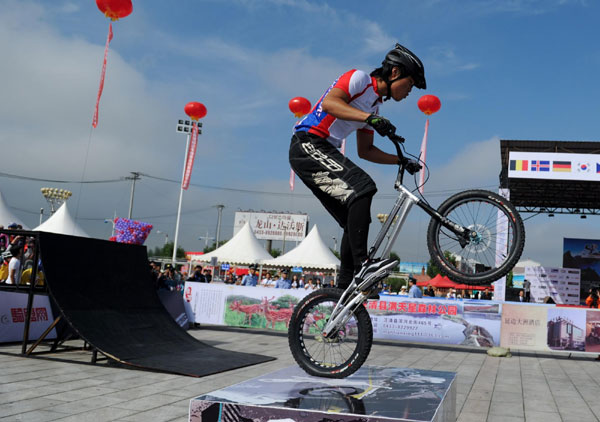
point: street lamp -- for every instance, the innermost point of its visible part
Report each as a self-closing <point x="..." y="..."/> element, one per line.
<point x="111" y="220"/>
<point x="206" y="239"/>
<point x="55" y="197"/>
<point x="183" y="126"/>
<point x="166" y="236"/>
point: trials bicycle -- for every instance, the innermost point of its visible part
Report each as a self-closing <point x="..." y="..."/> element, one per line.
<point x="474" y="237"/>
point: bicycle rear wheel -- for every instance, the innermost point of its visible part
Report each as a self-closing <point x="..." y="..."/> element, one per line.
<point x="494" y="221"/>
<point x="335" y="357"/>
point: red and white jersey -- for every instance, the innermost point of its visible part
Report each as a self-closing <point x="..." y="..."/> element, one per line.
<point x="361" y="89"/>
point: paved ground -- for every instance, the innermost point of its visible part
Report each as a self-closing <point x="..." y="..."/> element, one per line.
<point x="66" y="387"/>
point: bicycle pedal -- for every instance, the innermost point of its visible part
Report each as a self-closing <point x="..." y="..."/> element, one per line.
<point x="373" y="296"/>
<point x="372" y="279"/>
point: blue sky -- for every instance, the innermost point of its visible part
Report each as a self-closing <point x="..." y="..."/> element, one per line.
<point x="502" y="69"/>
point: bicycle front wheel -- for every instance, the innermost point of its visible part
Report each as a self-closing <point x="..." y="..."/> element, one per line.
<point x="333" y="357"/>
<point x="493" y="249"/>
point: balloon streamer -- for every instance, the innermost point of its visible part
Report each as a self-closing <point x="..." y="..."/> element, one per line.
<point x="101" y="87"/>
<point x="189" y="160"/>
<point x="423" y="156"/>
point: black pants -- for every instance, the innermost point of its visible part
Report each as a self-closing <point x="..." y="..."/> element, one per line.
<point x="343" y="188"/>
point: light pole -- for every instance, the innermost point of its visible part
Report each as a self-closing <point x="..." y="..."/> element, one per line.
<point x="55" y="197"/>
<point x="183" y="126"/>
<point x="206" y="239"/>
<point x="220" y="208"/>
<point x="108" y="220"/>
<point x="135" y="176"/>
<point x="166" y="236"/>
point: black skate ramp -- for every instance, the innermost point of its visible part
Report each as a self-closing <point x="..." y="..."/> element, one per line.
<point x="104" y="290"/>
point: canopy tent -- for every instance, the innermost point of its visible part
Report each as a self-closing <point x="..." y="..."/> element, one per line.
<point x="243" y="248"/>
<point x="312" y="252"/>
<point x="7" y="216"/>
<point x="61" y="222"/>
<point x="438" y="281"/>
<point x="445" y="283"/>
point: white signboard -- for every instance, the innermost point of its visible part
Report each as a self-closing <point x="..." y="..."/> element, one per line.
<point x="561" y="284"/>
<point x="273" y="226"/>
<point x="556" y="166"/>
<point x="13" y="311"/>
<point x="469" y="322"/>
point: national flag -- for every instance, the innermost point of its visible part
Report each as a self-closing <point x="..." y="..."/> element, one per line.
<point x="561" y="166"/>
<point x="519" y="165"/>
<point x="583" y="167"/>
<point x="540" y="165"/>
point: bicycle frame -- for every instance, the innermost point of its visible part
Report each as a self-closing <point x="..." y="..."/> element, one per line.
<point x="356" y="294"/>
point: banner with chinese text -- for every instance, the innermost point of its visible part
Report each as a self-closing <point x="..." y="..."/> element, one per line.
<point x="13" y="311"/>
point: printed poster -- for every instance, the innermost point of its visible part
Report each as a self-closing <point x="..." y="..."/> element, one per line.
<point x="524" y="326"/>
<point x="472" y="323"/>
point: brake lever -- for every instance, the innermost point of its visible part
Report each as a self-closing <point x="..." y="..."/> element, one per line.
<point x="396" y="138"/>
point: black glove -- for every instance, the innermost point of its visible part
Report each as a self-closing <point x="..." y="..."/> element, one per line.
<point x="411" y="166"/>
<point x="382" y="125"/>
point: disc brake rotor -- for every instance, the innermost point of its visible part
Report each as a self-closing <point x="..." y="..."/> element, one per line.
<point x="480" y="238"/>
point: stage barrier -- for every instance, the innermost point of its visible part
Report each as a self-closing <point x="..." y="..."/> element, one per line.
<point x="13" y="311"/>
<point x="479" y="323"/>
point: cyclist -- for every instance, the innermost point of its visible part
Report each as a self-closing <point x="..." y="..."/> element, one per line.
<point x="352" y="104"/>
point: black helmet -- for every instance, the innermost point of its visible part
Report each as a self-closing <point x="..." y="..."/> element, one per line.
<point x="409" y="63"/>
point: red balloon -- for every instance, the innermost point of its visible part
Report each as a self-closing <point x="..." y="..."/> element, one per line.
<point x="195" y="110"/>
<point x="299" y="106"/>
<point x="115" y="9"/>
<point x="429" y="104"/>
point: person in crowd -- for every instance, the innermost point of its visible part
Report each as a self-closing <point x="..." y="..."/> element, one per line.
<point x="309" y="286"/>
<point x="29" y="253"/>
<point x="207" y="275"/>
<point x="4" y="240"/>
<point x="295" y="281"/>
<point x="451" y="294"/>
<point x="521" y="297"/>
<point x="14" y="266"/>
<point x="165" y="279"/>
<point x="429" y="291"/>
<point x="527" y="290"/>
<point x="250" y="279"/>
<point x="284" y="282"/>
<point x="592" y="300"/>
<point x="403" y="292"/>
<point x="197" y="275"/>
<point x="154" y="273"/>
<point x="414" y="290"/>
<point x="318" y="284"/>
<point x="267" y="281"/>
<point x="486" y="295"/>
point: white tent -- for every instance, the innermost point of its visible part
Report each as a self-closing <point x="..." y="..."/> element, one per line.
<point x="61" y="222"/>
<point x="520" y="266"/>
<point x="243" y="248"/>
<point x="7" y="216"/>
<point x="312" y="252"/>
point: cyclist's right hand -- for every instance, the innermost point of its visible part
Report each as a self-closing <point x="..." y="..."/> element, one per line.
<point x="412" y="166"/>
<point x="382" y="125"/>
